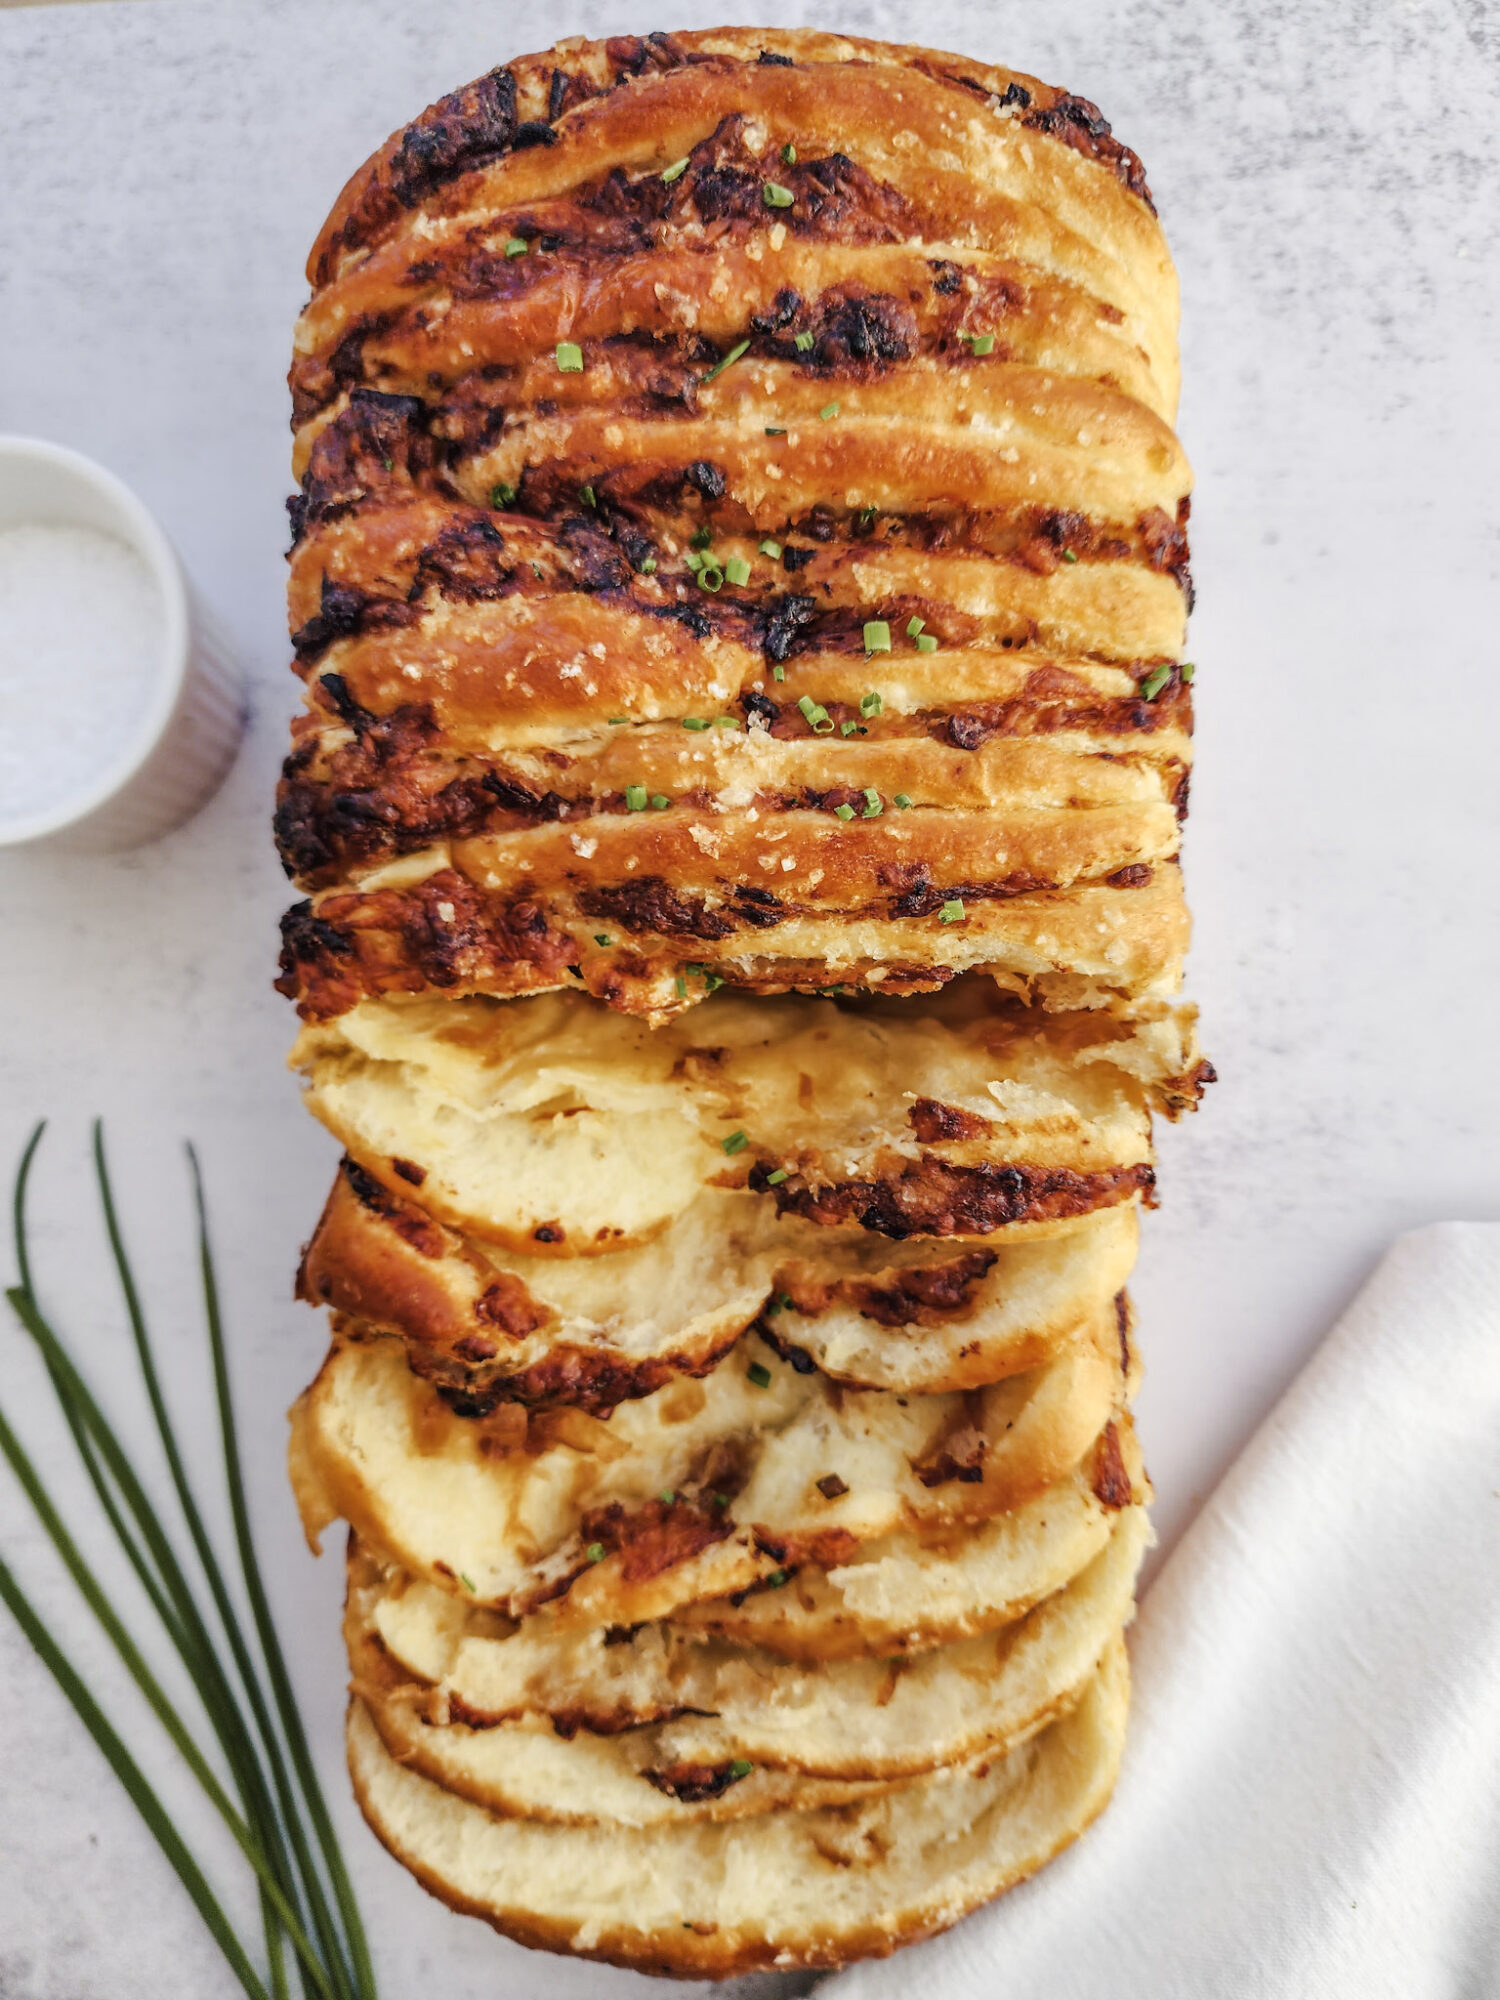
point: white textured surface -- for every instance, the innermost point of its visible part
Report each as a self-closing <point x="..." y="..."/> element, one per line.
<point x="1328" y="177"/>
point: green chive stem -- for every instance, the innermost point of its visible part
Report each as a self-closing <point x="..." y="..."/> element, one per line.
<point x="345" y="1973"/>
<point x="726" y="361"/>
<point x="260" y="1609"/>
<point x="131" y="1777"/>
<point x="322" y="1916"/>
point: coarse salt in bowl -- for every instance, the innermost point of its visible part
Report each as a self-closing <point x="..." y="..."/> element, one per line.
<point x="119" y="710"/>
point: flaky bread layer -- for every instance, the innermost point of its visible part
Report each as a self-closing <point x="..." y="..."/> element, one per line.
<point x="525" y="1124"/>
<point x="928" y="1316"/>
<point x="782" y="1889"/>
<point x="664" y="1723"/>
<point x="703" y="1489"/>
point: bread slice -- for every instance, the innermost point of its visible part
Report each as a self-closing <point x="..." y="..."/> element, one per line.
<point x="638" y="1725"/>
<point x="904" y="1592"/>
<point x="704" y="1488"/>
<point x="530" y="1124"/>
<point x="924" y="1317"/>
<point x="781" y="1889"/>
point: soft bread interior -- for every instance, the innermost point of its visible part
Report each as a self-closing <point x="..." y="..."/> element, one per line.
<point x="779" y="1889"/>
<point x="704" y="1488"/>
<point x="923" y="1316"/>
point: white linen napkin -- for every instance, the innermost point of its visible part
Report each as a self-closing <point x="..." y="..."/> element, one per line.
<point x="1310" y="1803"/>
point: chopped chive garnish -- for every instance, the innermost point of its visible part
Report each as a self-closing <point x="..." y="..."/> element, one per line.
<point x="902" y="801"/>
<point x="785" y="1300"/>
<point x="595" y="1552"/>
<point x="603" y="937"/>
<point x="759" y="1374"/>
<point x="951" y="911"/>
<point x="789" y="154"/>
<point x="741" y="1768"/>
<point x="694" y="722"/>
<point x="870" y="704"/>
<point x="701" y="538"/>
<point x="615" y="721"/>
<point x="718" y="1499"/>
<point x="815" y="716"/>
<point x="1186" y="672"/>
<point x="710" y="577"/>
<point x="666" y="1496"/>
<point x="713" y="981"/>
<point x="771" y="549"/>
<point x="873" y="807"/>
<point x="866" y="515"/>
<point x="635" y="798"/>
<point x="877" y="636"/>
<point x="828" y="410"/>
<point x="1154" y="682"/>
<point x="737" y="570"/>
<point x="467" y="1582"/>
<point x="847" y="728"/>
<point x="681" y="985"/>
<point x="981" y="343"/>
<point x="777" y="1578"/>
<point x="778" y="672"/>
<point x="694" y="560"/>
<point x="844" y="812"/>
<point x="726" y="360"/>
<point x="915" y="627"/>
<point x="659" y="802"/>
<point x="647" y="566"/>
<point x="926" y="643"/>
<point x="515" y="246"/>
<point x="775" y="431"/>
<point x="776" y="1177"/>
<point x="1068" y="556"/>
<point x="675" y="172"/>
<point x="694" y="970"/>
<point x="777" y="196"/>
<point x="802" y="342"/>
<point x="537" y="571"/>
<point x="735" y="1143"/>
<point x="587" y="495"/>
<point x="726" y="722"/>
<point x="502" y="495"/>
<point x="570" y="357"/>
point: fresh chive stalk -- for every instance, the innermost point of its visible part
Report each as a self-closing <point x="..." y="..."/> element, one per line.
<point x="281" y="1824"/>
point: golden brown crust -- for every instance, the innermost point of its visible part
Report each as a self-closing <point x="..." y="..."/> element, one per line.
<point x="645" y="83"/>
<point x="947" y="324"/>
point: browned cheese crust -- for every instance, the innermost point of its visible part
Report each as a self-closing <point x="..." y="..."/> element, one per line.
<point x="649" y="388"/>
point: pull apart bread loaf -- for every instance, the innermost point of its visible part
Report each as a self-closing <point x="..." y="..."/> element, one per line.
<point x="739" y="580"/>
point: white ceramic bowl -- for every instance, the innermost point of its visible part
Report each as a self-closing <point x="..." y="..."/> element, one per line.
<point x="184" y="741"/>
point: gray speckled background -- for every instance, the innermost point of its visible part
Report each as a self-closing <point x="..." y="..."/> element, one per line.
<point x="1329" y="175"/>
